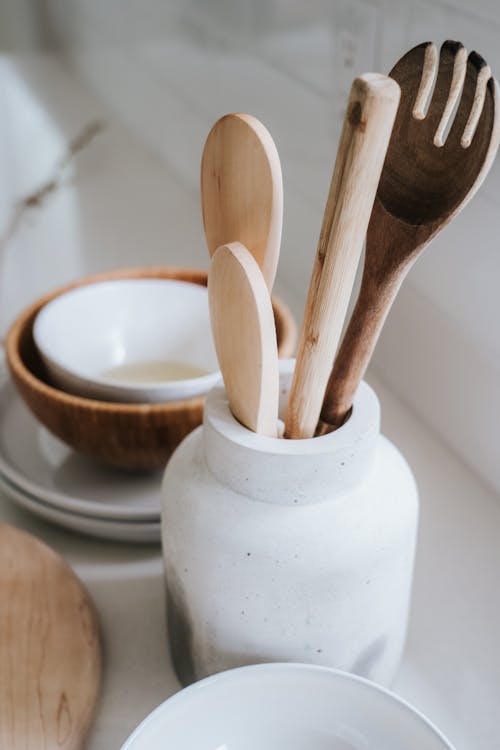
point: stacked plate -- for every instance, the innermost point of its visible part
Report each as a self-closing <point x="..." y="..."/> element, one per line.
<point x="43" y="475"/>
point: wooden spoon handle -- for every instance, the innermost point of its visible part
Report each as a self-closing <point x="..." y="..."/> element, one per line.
<point x="368" y="317"/>
<point x="365" y="136"/>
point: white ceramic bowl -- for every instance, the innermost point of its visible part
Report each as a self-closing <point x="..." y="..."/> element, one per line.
<point x="84" y="333"/>
<point x="285" y="707"/>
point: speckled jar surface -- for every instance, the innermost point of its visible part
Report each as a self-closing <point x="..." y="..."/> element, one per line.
<point x="288" y="550"/>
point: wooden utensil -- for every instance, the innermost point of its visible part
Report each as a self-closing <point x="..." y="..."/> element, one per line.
<point x="242" y="190"/>
<point x="369" y="118"/>
<point x="426" y="180"/>
<point x="50" y="661"/>
<point x="245" y="338"/>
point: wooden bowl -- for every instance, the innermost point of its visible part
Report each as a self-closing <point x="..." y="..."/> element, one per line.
<point x="131" y="436"/>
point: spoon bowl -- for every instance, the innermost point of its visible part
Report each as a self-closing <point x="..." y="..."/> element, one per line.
<point x="245" y="339"/>
<point x="242" y="190"/>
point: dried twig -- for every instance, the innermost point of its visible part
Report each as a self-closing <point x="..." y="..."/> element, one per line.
<point x="38" y="196"/>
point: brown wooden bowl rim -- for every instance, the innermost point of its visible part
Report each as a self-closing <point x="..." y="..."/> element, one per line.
<point x="24" y="374"/>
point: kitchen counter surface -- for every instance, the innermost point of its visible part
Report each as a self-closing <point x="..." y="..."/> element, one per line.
<point x="122" y="207"/>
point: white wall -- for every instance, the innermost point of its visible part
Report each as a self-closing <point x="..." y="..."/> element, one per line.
<point x="22" y="25"/>
<point x="169" y="69"/>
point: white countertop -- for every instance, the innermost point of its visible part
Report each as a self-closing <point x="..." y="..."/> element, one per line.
<point x="126" y="208"/>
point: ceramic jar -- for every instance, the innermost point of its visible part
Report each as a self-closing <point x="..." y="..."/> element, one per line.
<point x="288" y="550"/>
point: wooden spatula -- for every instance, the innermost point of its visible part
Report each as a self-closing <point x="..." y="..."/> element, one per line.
<point x="242" y="190"/>
<point x="50" y="659"/>
<point x="365" y="135"/>
<point x="438" y="157"/>
<point x="245" y="337"/>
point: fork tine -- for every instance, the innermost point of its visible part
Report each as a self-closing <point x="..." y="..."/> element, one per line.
<point x="427" y="81"/>
<point x="483" y="76"/>
<point x="459" y="70"/>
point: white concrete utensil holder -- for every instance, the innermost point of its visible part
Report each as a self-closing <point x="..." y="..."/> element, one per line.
<point x="288" y="550"/>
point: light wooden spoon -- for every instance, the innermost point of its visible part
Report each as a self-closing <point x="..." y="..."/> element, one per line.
<point x="242" y="190"/>
<point x="426" y="180"/>
<point x="245" y="337"/>
<point x="369" y="118"/>
<point x="50" y="659"/>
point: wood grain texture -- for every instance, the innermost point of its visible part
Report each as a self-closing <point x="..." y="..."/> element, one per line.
<point x="50" y="658"/>
<point x="242" y="190"/>
<point x="130" y="436"/>
<point x="245" y="338"/>
<point x="369" y="118"/>
<point x="421" y="189"/>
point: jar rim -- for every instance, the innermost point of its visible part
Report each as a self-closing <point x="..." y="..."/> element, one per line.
<point x="364" y="418"/>
<point x="281" y="471"/>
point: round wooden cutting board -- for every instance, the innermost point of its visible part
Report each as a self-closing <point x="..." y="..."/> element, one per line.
<point x="50" y="656"/>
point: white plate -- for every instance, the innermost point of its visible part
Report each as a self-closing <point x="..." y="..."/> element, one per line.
<point x="39" y="464"/>
<point x="146" y="532"/>
<point x="285" y="707"/>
